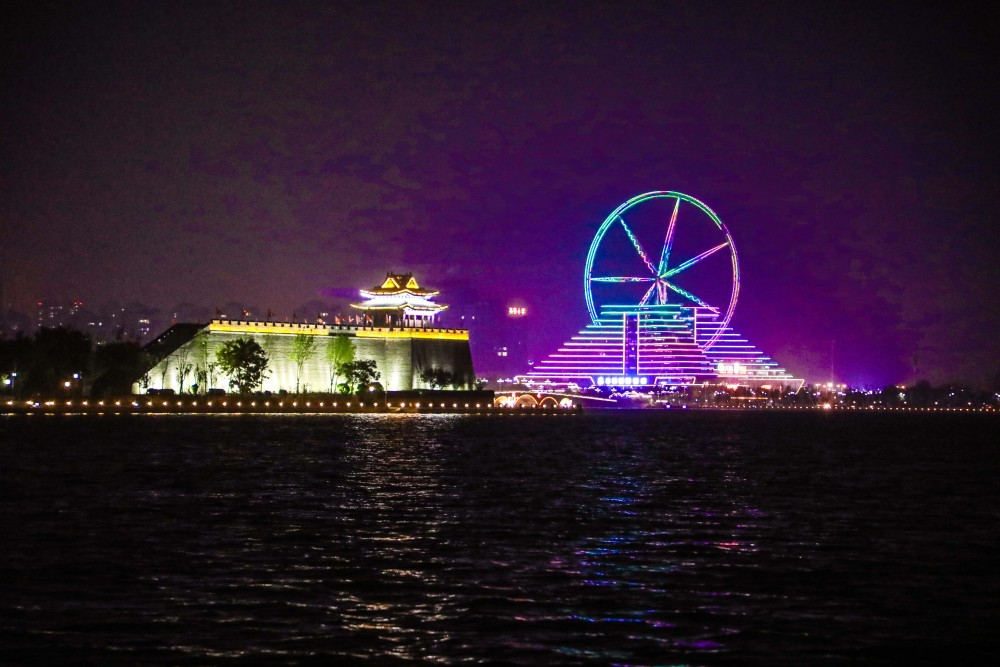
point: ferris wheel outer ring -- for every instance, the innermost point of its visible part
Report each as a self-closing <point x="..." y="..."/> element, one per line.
<point x="664" y="194"/>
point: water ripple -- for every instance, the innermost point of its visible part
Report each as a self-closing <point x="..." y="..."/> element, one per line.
<point x="626" y="538"/>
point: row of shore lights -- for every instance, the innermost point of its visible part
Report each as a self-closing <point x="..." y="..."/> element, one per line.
<point x="239" y="404"/>
<point x="830" y="406"/>
<point x="479" y="406"/>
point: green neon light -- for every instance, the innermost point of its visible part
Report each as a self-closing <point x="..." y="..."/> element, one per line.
<point x="691" y="297"/>
<point x="669" y="241"/>
<point x="621" y="279"/>
<point x="694" y="260"/>
<point x="638" y="247"/>
<point x="661" y="286"/>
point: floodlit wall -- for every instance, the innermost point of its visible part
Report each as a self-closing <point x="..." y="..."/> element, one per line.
<point x="446" y="354"/>
<point x="400" y="355"/>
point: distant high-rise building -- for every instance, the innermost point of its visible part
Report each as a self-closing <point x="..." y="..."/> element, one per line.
<point x="50" y="315"/>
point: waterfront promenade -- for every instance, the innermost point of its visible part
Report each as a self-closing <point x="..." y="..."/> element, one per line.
<point x="235" y="404"/>
<point x="258" y="405"/>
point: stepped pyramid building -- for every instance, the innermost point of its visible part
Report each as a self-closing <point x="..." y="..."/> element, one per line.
<point x="657" y="346"/>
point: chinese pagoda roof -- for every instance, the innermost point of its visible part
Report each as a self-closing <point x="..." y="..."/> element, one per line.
<point x="398" y="283"/>
<point x="399" y="291"/>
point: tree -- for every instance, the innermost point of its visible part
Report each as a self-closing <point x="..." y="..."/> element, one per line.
<point x="303" y="348"/>
<point x="200" y="379"/>
<point x="245" y="363"/>
<point x="358" y="374"/>
<point x="164" y="372"/>
<point x="117" y="366"/>
<point x="205" y="376"/>
<point x="202" y="361"/>
<point x="58" y="356"/>
<point x="269" y="343"/>
<point x="16" y="356"/>
<point x="438" y="378"/>
<point x="183" y="369"/>
<point x="339" y="351"/>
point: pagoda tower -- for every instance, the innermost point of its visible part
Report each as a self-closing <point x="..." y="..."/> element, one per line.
<point x="399" y="302"/>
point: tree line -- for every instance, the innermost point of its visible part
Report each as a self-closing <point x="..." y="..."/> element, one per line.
<point x="245" y="362"/>
<point x="63" y="361"/>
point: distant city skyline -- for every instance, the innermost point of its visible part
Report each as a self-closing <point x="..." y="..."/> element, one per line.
<point x="501" y="344"/>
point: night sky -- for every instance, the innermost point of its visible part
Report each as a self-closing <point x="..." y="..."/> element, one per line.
<point x="274" y="153"/>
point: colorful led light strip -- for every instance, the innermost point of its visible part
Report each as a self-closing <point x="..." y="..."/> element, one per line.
<point x="667" y="351"/>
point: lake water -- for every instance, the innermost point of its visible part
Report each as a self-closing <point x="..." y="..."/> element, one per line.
<point x="632" y="538"/>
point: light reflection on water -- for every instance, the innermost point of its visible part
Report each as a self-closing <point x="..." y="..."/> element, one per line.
<point x="621" y="538"/>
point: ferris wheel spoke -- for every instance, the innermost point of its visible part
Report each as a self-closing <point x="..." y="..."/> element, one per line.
<point x="621" y="279"/>
<point x="694" y="260"/>
<point x="649" y="293"/>
<point x="665" y="253"/>
<point x="688" y="295"/>
<point x="635" y="242"/>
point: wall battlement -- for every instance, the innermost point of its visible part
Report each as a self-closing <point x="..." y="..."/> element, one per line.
<point x="359" y="330"/>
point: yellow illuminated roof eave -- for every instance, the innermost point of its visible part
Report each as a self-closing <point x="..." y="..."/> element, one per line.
<point x="431" y="334"/>
<point x="436" y="308"/>
<point x="277" y="328"/>
<point x="372" y="293"/>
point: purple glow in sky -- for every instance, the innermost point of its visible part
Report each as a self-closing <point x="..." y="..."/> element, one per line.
<point x="270" y="153"/>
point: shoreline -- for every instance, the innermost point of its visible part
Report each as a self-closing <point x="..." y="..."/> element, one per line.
<point x="144" y="405"/>
<point x="234" y="405"/>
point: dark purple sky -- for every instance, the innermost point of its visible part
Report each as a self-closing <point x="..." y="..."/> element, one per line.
<point x="272" y="152"/>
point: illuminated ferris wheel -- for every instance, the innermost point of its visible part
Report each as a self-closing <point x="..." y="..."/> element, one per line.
<point x="696" y="265"/>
